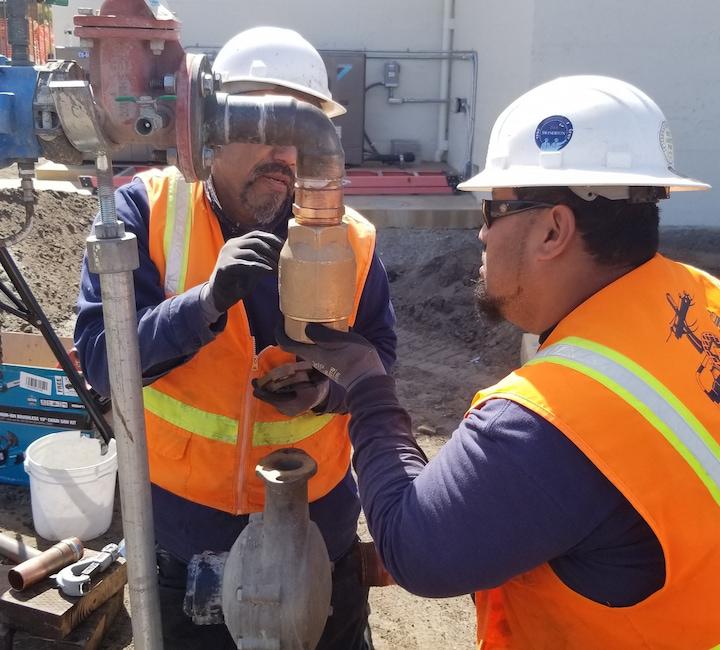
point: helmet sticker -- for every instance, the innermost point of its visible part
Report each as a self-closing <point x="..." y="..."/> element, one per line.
<point x="553" y="133"/>
<point x="666" y="143"/>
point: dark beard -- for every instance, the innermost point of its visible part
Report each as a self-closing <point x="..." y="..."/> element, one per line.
<point x="486" y="305"/>
<point x="263" y="212"/>
<point x="266" y="211"/>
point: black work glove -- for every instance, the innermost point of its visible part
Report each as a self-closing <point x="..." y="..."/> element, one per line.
<point x="241" y="263"/>
<point x="346" y="357"/>
<point x="296" y="398"/>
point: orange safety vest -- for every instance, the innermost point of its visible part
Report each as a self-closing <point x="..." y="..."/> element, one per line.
<point x="206" y="430"/>
<point x="632" y="378"/>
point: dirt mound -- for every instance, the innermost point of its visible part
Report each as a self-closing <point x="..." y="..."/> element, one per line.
<point x="697" y="246"/>
<point x="51" y="254"/>
<point x="446" y="351"/>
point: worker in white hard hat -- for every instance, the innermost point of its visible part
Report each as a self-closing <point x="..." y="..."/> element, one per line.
<point x="579" y="497"/>
<point x="207" y="300"/>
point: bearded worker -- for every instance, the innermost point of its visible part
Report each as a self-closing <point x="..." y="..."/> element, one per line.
<point x="207" y="302"/>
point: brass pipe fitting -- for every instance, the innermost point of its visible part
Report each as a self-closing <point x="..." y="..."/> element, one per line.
<point x="319" y="206"/>
<point x="317" y="277"/>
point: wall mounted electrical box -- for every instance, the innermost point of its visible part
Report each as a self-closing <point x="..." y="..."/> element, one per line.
<point x="391" y="74"/>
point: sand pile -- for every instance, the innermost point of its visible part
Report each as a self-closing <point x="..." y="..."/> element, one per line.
<point x="50" y="256"/>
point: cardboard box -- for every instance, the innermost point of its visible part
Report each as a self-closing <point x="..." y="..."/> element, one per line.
<point x="35" y="400"/>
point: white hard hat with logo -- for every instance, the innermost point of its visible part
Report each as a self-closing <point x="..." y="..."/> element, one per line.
<point x="581" y="132"/>
<point x="267" y="57"/>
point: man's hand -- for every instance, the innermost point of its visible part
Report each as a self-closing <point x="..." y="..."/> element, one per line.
<point x="307" y="392"/>
<point x="241" y="263"/>
<point x="345" y="357"/>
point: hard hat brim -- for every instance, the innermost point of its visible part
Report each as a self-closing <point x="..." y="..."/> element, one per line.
<point x="488" y="180"/>
<point x="330" y="107"/>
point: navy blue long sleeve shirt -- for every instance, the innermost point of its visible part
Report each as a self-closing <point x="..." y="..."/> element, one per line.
<point x="507" y="493"/>
<point x="172" y="330"/>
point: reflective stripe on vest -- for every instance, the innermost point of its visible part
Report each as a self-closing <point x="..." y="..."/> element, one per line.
<point x="224" y="429"/>
<point x="647" y="395"/>
<point x="176" y="238"/>
<point x="201" y="423"/>
<point x="287" y="432"/>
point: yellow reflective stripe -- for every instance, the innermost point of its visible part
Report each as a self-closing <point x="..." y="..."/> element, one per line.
<point x="186" y="242"/>
<point x="201" y="423"/>
<point x="286" y="432"/>
<point x="170" y="215"/>
<point x="687" y="415"/>
<point x="176" y="238"/>
<point x="647" y="395"/>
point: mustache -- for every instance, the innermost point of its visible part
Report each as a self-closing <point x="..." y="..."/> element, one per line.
<point x="275" y="168"/>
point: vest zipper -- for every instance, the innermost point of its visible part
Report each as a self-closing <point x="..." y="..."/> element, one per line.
<point x="245" y="434"/>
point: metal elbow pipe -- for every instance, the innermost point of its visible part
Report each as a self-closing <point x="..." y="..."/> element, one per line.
<point x="285" y="121"/>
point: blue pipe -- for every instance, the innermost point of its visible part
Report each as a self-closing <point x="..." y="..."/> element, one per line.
<point x="17" y="131"/>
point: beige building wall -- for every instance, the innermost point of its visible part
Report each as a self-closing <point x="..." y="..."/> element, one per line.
<point x="669" y="49"/>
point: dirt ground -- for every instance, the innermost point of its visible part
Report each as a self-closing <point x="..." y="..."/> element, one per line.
<point x="445" y="354"/>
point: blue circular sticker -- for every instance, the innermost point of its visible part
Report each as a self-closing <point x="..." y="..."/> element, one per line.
<point x="553" y="133"/>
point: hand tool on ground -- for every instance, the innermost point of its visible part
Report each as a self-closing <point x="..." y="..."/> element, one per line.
<point x="76" y="579"/>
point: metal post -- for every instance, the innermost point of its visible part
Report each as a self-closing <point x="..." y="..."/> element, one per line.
<point x="113" y="254"/>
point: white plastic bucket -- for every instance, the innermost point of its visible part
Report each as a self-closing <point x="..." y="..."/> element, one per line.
<point x="72" y="485"/>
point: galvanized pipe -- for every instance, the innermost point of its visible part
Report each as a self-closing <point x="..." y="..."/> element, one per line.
<point x="123" y="354"/>
<point x="15" y="549"/>
<point x="447" y="27"/>
<point x="113" y="254"/>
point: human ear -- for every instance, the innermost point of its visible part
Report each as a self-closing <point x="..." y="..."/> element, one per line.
<point x="558" y="231"/>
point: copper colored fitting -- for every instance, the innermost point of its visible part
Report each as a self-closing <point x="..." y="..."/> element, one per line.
<point x="317" y="278"/>
<point x="55" y="558"/>
<point x="319" y="206"/>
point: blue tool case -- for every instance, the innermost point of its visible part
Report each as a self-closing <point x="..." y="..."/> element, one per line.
<point x="33" y="403"/>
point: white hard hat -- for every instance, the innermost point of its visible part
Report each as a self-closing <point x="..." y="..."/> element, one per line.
<point x="264" y="57"/>
<point x="581" y="131"/>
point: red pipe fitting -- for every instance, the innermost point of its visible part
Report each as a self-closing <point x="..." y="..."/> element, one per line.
<point x="147" y="89"/>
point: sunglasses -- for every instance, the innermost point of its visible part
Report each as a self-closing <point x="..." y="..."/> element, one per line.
<point x="493" y="210"/>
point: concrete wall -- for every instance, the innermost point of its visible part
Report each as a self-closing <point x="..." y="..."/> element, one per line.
<point x="669" y="49"/>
